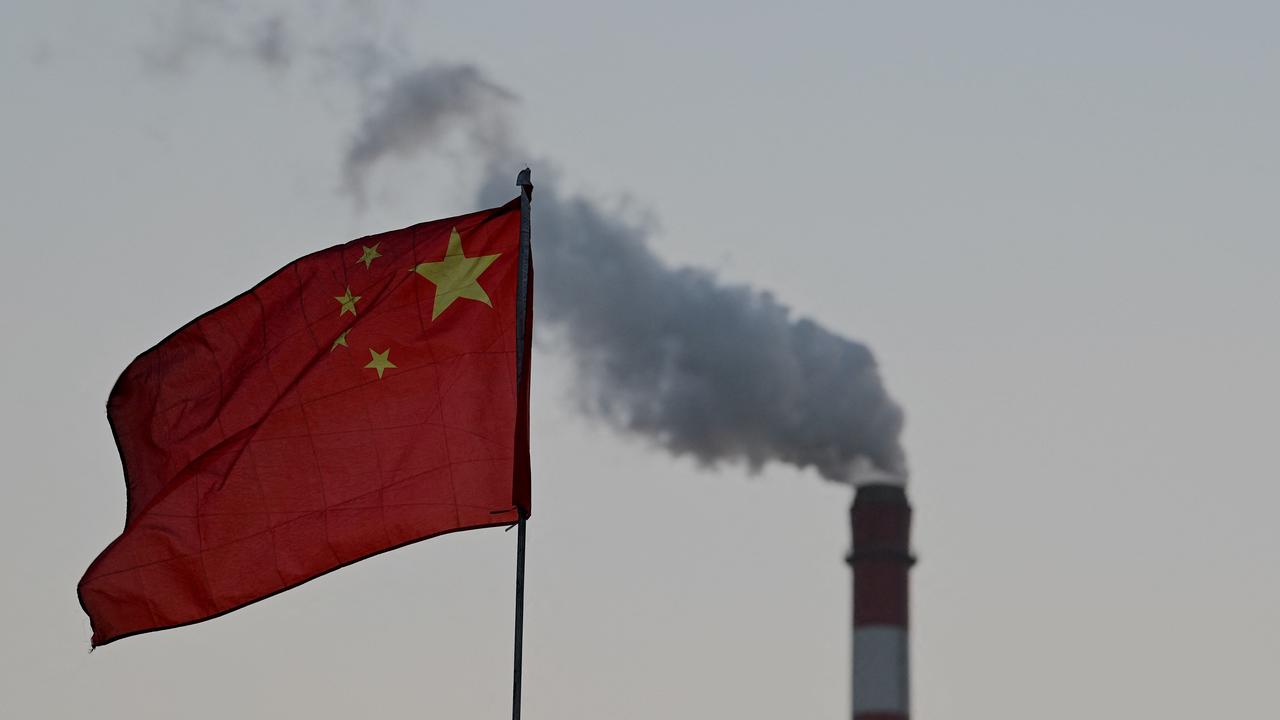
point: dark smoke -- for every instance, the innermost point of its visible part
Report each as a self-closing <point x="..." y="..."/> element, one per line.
<point x="718" y="371"/>
<point x="228" y="30"/>
<point x="417" y="108"/>
<point x="272" y="45"/>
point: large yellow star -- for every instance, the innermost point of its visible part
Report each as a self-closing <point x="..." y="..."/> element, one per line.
<point x="380" y="361"/>
<point x="455" y="276"/>
<point x="370" y="254"/>
<point x="348" y="302"/>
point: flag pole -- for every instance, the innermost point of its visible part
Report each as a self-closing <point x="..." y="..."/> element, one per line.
<point x="515" y="688"/>
<point x="525" y="182"/>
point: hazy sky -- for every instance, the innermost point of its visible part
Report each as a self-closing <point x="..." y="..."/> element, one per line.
<point x="1055" y="224"/>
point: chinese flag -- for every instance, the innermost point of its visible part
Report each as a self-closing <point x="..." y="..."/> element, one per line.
<point x="361" y="398"/>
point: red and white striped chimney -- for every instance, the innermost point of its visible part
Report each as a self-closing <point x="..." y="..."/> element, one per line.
<point x="881" y="557"/>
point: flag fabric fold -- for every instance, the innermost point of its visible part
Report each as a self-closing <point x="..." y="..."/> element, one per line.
<point x="361" y="398"/>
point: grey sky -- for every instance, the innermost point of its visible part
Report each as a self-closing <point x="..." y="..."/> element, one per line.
<point x="1054" y="226"/>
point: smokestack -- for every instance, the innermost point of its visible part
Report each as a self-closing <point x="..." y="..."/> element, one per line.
<point x="881" y="557"/>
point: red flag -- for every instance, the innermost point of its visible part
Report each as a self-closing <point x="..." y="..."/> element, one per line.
<point x="361" y="398"/>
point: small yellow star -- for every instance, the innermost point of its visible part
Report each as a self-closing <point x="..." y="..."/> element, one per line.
<point x="455" y="275"/>
<point x="348" y="302"/>
<point x="380" y="361"/>
<point x="342" y="340"/>
<point x="370" y="253"/>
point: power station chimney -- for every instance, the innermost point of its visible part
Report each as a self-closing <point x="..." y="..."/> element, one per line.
<point x="881" y="556"/>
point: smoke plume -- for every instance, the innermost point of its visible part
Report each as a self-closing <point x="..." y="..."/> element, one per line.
<point x="417" y="108"/>
<point x="717" y="371"/>
<point x="192" y="30"/>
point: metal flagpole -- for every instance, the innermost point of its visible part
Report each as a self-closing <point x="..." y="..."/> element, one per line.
<point x="515" y="688"/>
<point x="525" y="182"/>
